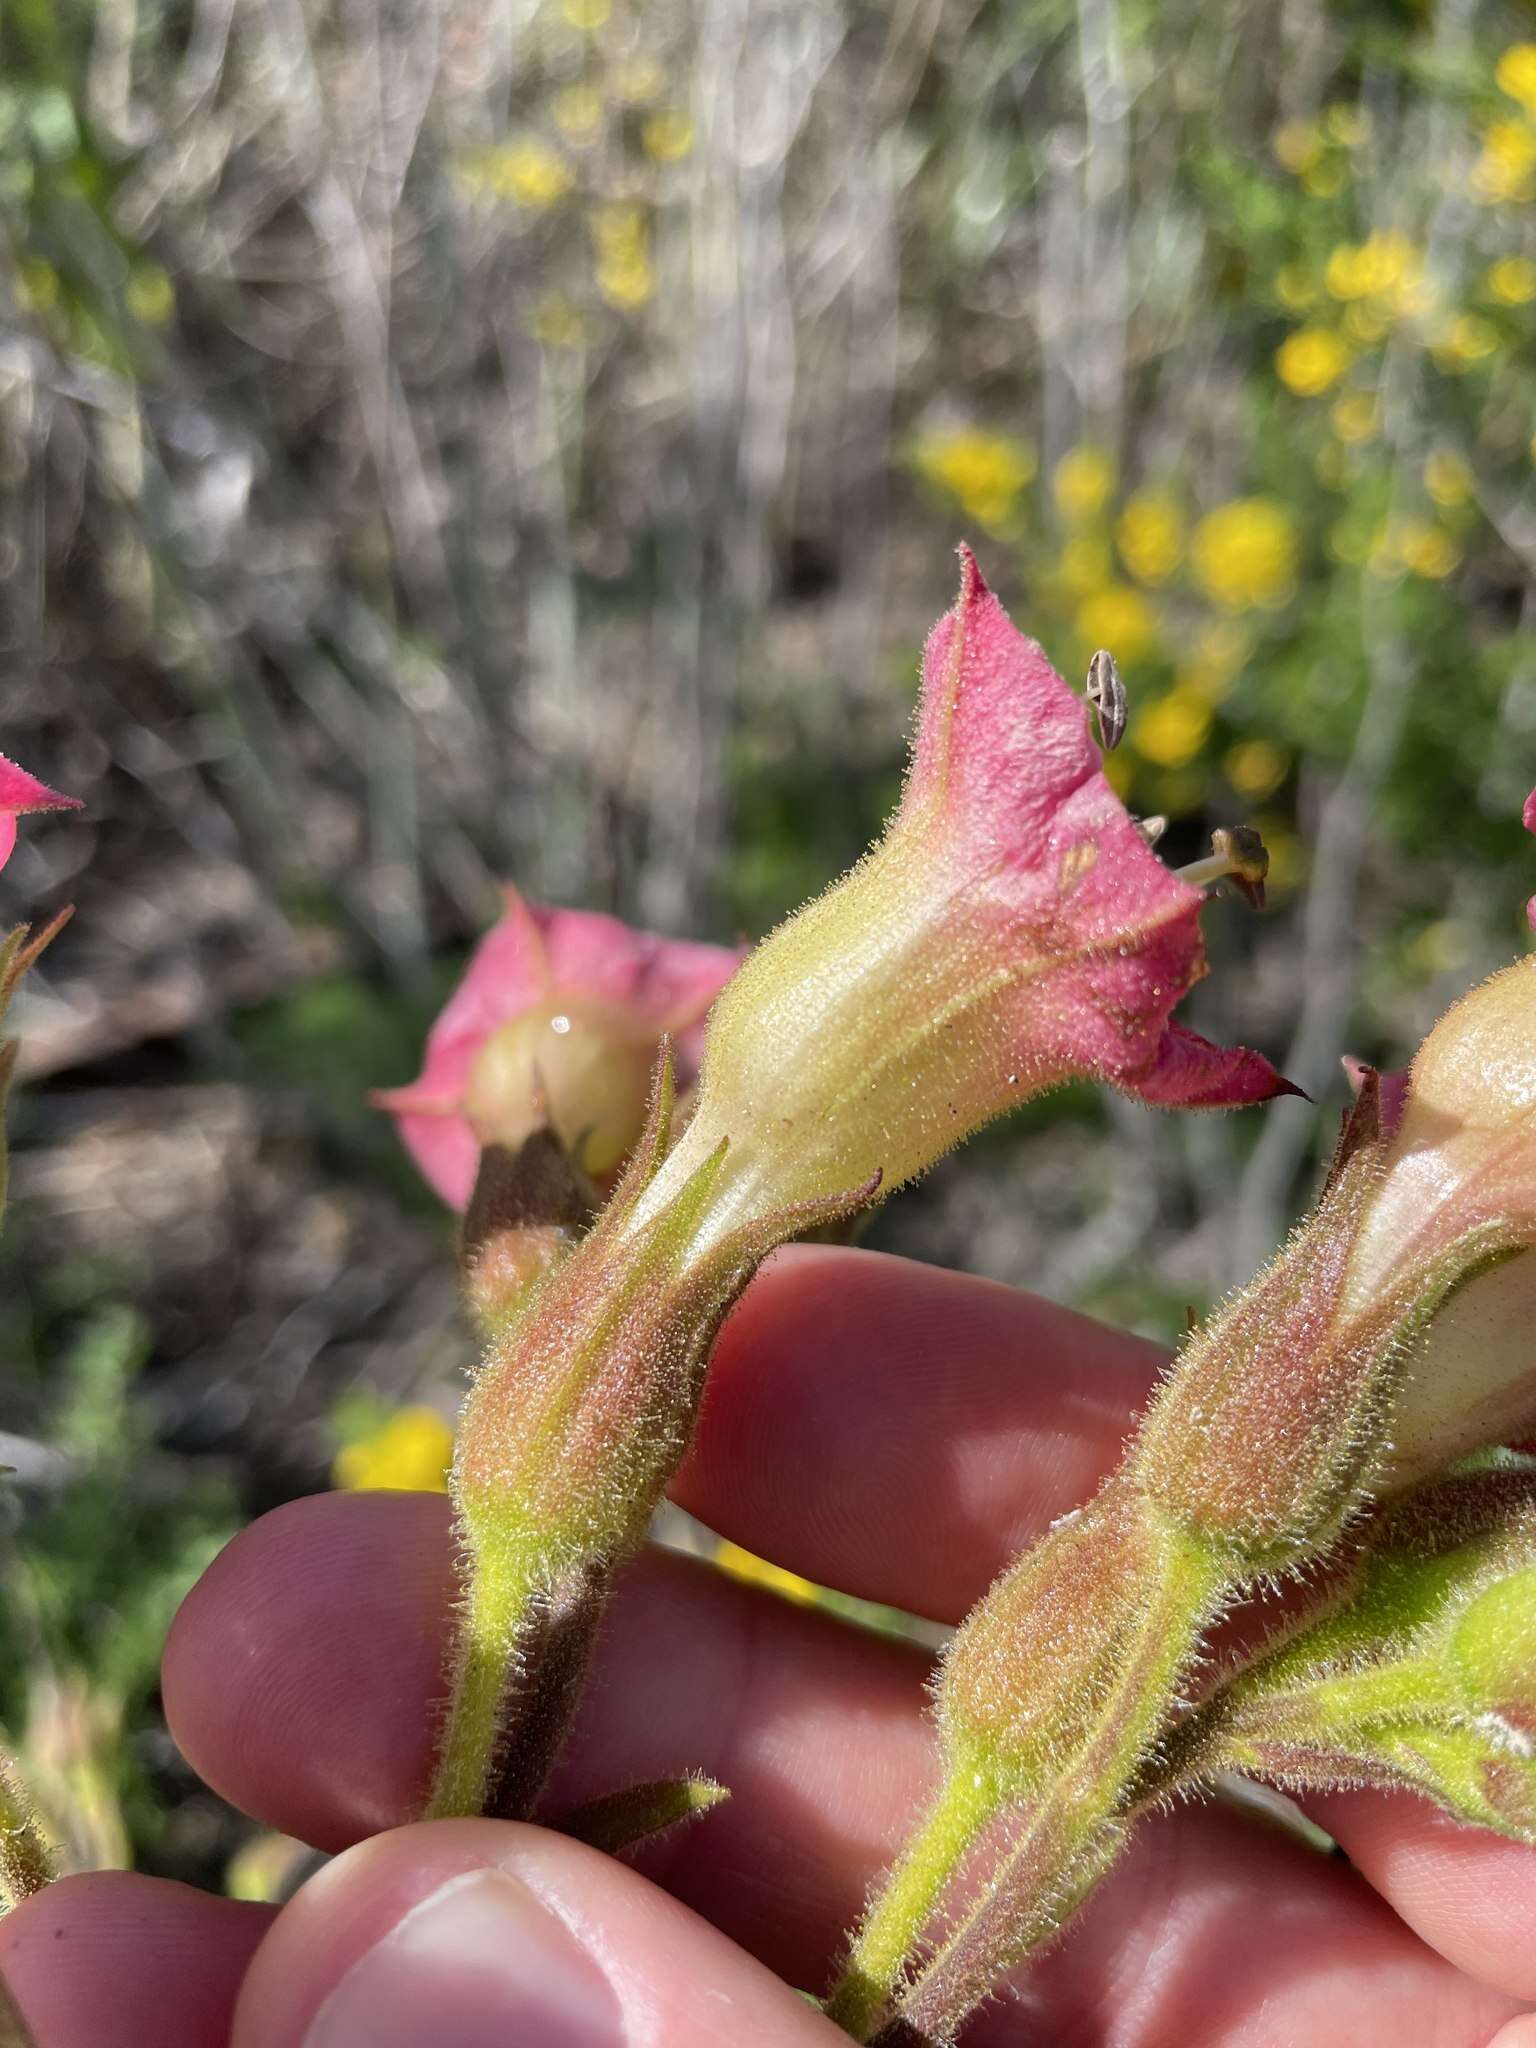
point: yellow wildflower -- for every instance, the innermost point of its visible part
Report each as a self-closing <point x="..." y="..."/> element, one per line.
<point x="526" y="171"/>
<point x="1506" y="169"/>
<point x="1350" y="542"/>
<point x="1086" y="564"/>
<point x="1295" y="287"/>
<point x="1512" y="280"/>
<point x="757" y="1571"/>
<point x="639" y="81"/>
<point x="1425" y="550"/>
<point x="1349" y="126"/>
<point x="586" y="14"/>
<point x="1374" y="268"/>
<point x="1366" y="322"/>
<point x="1172" y="729"/>
<point x="1118" y="618"/>
<point x="557" y="323"/>
<point x="1310" y="360"/>
<point x="624" y="274"/>
<point x="1466" y="341"/>
<point x="1515" y="74"/>
<point x="984" y="472"/>
<point x="578" y="112"/>
<point x="1244" y="554"/>
<point x="1297" y="145"/>
<point x="1151" y="536"/>
<point x="1353" y="417"/>
<point x="1447" y="478"/>
<point x="667" y="137"/>
<point x="150" y="296"/>
<point x="1082" y="482"/>
<point x="1214" y="659"/>
<point x="1255" y="768"/>
<point x="412" y="1450"/>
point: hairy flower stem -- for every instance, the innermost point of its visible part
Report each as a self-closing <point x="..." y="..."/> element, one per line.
<point x="1062" y="1838"/>
<point x="494" y="1626"/>
<point x="25" y="1863"/>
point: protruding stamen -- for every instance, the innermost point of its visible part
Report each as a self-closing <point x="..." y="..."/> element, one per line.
<point x="1238" y="856"/>
<point x="1151" y="829"/>
<point x="1106" y="693"/>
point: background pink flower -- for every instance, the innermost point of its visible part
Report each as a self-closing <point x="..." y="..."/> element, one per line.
<point x="558" y="1019"/>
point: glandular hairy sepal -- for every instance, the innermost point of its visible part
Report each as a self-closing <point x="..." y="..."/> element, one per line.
<point x="1421" y="1673"/>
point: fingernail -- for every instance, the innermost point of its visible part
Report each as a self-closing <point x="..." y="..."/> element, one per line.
<point x="479" y="1964"/>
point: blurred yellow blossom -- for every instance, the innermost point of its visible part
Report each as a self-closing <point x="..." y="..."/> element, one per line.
<point x="411" y="1450"/>
<point x="1512" y="280"/>
<point x="639" y="80"/>
<point x="667" y="136"/>
<point x="1349" y="126"/>
<point x="1324" y="180"/>
<point x="1086" y="564"/>
<point x="1297" y="145"/>
<point x="624" y="274"/>
<point x="1415" y="545"/>
<point x="1151" y="536"/>
<point x="984" y="472"/>
<point x="1353" y="417"/>
<point x="1310" y="360"/>
<point x="557" y="323"/>
<point x="526" y="171"/>
<point x="578" y="112"/>
<point x="1295" y="287"/>
<point x="1118" y="618"/>
<point x="1349" y="541"/>
<point x="1506" y="169"/>
<point x="1082" y="482"/>
<point x="1426" y="550"/>
<point x="757" y="1571"/>
<point x="1256" y="768"/>
<point x="1447" y="478"/>
<point x="1386" y="265"/>
<point x="1244" y="554"/>
<point x="586" y="14"/>
<point x="1515" y="74"/>
<point x="1468" y="340"/>
<point x="149" y="295"/>
<point x="1214" y="659"/>
<point x="1172" y="729"/>
<point x="1366" y="322"/>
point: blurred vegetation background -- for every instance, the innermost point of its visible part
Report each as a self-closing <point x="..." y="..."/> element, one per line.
<point x="451" y="439"/>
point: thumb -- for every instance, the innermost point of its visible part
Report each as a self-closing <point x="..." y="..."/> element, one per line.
<point x="485" y="1934"/>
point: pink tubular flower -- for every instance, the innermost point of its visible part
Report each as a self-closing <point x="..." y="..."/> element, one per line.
<point x="21" y="793"/>
<point x="1012" y="931"/>
<point x="557" y="1020"/>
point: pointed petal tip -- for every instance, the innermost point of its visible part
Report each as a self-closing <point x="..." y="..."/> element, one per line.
<point x="21" y="792"/>
<point x="1189" y="1072"/>
<point x="972" y="583"/>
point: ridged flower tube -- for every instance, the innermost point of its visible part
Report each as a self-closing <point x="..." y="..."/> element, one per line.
<point x="1012" y="930"/>
<point x="1363" y="1353"/>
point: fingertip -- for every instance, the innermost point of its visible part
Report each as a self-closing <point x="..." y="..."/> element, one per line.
<point x="306" y="1578"/>
<point x="88" y="1958"/>
<point x="485" y="1932"/>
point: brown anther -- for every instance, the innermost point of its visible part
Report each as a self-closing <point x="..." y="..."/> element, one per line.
<point x="1242" y="846"/>
<point x="1237" y="856"/>
<point x="1106" y="693"/>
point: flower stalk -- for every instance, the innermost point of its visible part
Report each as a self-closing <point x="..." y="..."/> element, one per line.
<point x="1011" y="931"/>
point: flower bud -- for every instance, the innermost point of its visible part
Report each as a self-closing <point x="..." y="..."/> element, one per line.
<point x="1422" y="1673"/>
<point x="557" y="1023"/>
<point x="1460" y="1167"/>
